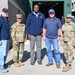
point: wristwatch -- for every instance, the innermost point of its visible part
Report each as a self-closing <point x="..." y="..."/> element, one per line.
<point x="59" y="35"/>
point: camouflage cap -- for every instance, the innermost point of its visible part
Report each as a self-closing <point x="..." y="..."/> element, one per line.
<point x="69" y="16"/>
<point x="19" y="16"/>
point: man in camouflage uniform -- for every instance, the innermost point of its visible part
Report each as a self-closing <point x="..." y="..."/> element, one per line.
<point x="18" y="38"/>
<point x="68" y="41"/>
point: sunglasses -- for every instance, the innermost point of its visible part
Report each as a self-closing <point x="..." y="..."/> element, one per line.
<point x="51" y="13"/>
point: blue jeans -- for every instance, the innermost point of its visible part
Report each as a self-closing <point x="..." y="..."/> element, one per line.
<point x="3" y="52"/>
<point x="55" y="44"/>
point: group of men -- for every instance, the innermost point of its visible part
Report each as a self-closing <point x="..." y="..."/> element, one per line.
<point x="37" y="27"/>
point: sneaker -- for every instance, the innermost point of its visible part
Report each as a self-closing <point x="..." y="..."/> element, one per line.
<point x="7" y="66"/>
<point x="3" y="70"/>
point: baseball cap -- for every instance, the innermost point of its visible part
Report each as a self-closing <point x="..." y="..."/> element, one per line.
<point x="69" y="16"/>
<point x="5" y="10"/>
<point x="19" y="16"/>
<point x="51" y="11"/>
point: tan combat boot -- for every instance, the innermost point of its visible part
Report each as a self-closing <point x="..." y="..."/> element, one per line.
<point x="21" y="63"/>
<point x="69" y="67"/>
<point x="17" y="64"/>
<point x="66" y="68"/>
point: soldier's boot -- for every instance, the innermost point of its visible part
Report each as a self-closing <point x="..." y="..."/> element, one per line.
<point x="66" y="68"/>
<point x="69" y="66"/>
<point x="17" y="64"/>
<point x="20" y="62"/>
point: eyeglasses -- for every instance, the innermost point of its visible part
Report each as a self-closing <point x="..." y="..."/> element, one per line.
<point x="51" y="13"/>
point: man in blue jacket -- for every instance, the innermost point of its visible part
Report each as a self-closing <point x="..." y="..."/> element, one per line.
<point x="4" y="38"/>
<point x="34" y="27"/>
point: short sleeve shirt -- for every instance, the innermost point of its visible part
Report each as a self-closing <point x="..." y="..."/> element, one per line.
<point x="52" y="27"/>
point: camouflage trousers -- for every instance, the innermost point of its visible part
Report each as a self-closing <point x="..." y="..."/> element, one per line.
<point x="68" y="51"/>
<point x="18" y="51"/>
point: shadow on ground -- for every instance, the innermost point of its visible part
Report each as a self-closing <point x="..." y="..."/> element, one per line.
<point x="26" y="56"/>
<point x="62" y="56"/>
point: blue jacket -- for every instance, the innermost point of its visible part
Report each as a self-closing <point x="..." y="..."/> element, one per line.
<point x="34" y="25"/>
<point x="4" y="29"/>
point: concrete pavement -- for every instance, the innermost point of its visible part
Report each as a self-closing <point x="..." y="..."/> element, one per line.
<point x="36" y="69"/>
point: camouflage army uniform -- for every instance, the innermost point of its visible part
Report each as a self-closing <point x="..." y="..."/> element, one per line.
<point x="68" y="39"/>
<point x="18" y="34"/>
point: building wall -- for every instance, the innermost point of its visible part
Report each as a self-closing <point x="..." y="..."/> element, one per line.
<point x="3" y="4"/>
<point x="13" y="10"/>
<point x="12" y="13"/>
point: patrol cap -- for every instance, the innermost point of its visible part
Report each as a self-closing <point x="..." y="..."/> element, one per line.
<point x="5" y="10"/>
<point x="69" y="16"/>
<point x="19" y="16"/>
<point x="51" y="11"/>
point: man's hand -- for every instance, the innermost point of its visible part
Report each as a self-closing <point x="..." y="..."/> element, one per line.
<point x="61" y="44"/>
<point x="44" y="34"/>
<point x="16" y="43"/>
<point x="41" y="34"/>
<point x="25" y="40"/>
<point x="73" y="45"/>
<point x="0" y="42"/>
<point x="44" y="38"/>
<point x="29" y="37"/>
<point x="58" y="38"/>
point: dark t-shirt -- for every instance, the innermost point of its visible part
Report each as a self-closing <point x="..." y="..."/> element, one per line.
<point x="52" y="27"/>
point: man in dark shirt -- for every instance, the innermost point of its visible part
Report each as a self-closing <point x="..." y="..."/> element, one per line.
<point x="34" y="27"/>
<point x="51" y="35"/>
<point x="4" y="38"/>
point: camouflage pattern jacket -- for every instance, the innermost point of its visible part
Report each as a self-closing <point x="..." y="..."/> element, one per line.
<point x="68" y="32"/>
<point x="18" y="32"/>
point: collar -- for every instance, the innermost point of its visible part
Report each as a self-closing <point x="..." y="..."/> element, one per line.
<point x="2" y="17"/>
<point x="36" y="14"/>
<point x="18" y="23"/>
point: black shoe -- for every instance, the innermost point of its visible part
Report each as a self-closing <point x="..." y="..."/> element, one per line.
<point x="39" y="62"/>
<point x="6" y="66"/>
<point x="32" y="63"/>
